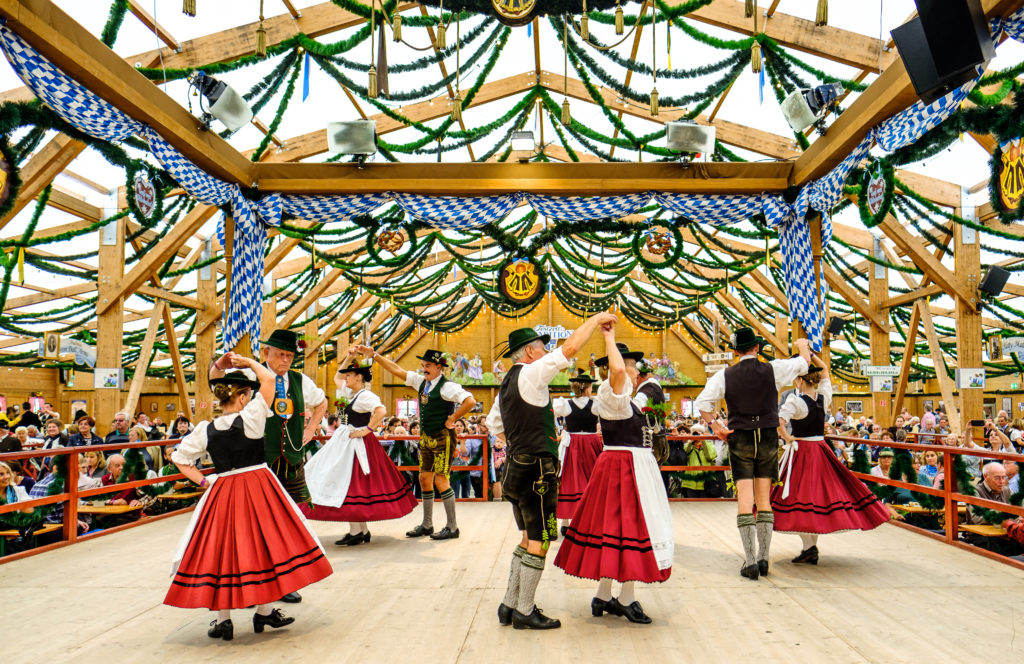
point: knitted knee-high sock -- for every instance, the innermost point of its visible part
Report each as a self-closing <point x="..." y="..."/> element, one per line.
<point x="626" y="596"/>
<point x="604" y="589"/>
<point x="765" y="526"/>
<point x="449" y="508"/>
<point x="512" y="591"/>
<point x="529" y="577"/>
<point x="745" y="522"/>
<point x="428" y="509"/>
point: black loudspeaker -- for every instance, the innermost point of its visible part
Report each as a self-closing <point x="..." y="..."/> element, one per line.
<point x="943" y="45"/>
<point x="993" y="281"/>
<point x="836" y="325"/>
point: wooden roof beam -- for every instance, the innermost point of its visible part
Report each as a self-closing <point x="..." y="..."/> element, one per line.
<point x="41" y="169"/>
<point x="136" y="8"/>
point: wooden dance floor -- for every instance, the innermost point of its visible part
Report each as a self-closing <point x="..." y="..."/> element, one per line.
<point x="885" y="596"/>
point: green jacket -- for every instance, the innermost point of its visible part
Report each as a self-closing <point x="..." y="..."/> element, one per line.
<point x="705" y="456"/>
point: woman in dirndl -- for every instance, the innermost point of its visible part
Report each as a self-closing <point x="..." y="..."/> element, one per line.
<point x="579" y="447"/>
<point x="622" y="528"/>
<point x="818" y="495"/>
<point x="247" y="543"/>
<point x="351" y="478"/>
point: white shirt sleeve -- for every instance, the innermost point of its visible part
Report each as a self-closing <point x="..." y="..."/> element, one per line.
<point x="794" y="408"/>
<point x="612" y="406"/>
<point x="787" y="370"/>
<point x="494" y="423"/>
<point x="825" y="390"/>
<point x="312" y="395"/>
<point x="536" y="376"/>
<point x="452" y="391"/>
<point x="640" y="399"/>
<point x="366" y="402"/>
<point x="414" y="379"/>
<point x="561" y="407"/>
<point x="254" y="416"/>
<point x="192" y="446"/>
<point x="20" y="494"/>
<point x="712" y="393"/>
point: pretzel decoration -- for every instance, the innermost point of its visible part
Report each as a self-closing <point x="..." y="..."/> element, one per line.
<point x="659" y="243"/>
<point x="391" y="240"/>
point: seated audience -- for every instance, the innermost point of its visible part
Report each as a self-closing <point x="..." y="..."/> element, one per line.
<point x="10" y="490"/>
<point x="115" y="464"/>
<point x="85" y="435"/>
<point x="119" y="434"/>
<point x="8" y="443"/>
<point x="929" y="468"/>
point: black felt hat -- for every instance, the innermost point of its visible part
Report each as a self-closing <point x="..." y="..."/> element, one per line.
<point x="524" y="335"/>
<point x="435" y="356"/>
<point x="239" y="378"/>
<point x="581" y="377"/>
<point x="286" y="340"/>
<point x="626" y="353"/>
<point x="364" y="370"/>
<point x="811" y="369"/>
<point x="744" y="338"/>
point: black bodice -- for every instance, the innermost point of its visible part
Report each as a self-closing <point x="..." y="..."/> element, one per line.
<point x="581" y="420"/>
<point x="231" y="449"/>
<point x="624" y="433"/>
<point x="814" y="423"/>
<point x="353" y="418"/>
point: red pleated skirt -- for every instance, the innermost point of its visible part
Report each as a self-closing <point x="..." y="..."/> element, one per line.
<point x="824" y="497"/>
<point x="250" y="546"/>
<point x="608" y="537"/>
<point x="577" y="466"/>
<point x="381" y="495"/>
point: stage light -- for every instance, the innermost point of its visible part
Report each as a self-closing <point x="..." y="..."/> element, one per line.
<point x="689" y="137"/>
<point x="225" y="104"/>
<point x="355" y="137"/>
<point x="524" y="146"/>
<point x="804" y="108"/>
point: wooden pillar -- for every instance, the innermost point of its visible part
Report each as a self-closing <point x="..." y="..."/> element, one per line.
<point x="310" y="333"/>
<point x="782" y="329"/>
<point x="206" y="292"/>
<point x="493" y="323"/>
<point x="878" y="292"/>
<point x="110" y="323"/>
<point x="967" y="257"/>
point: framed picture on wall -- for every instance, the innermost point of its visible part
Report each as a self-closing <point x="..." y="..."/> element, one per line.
<point x="407" y="408"/>
<point x="854" y="406"/>
<point x="929" y="404"/>
<point x="51" y="345"/>
<point x="1008" y="406"/>
<point x="3" y="403"/>
<point x="153" y="407"/>
<point x="36" y="403"/>
<point x="170" y="406"/>
<point x="78" y="405"/>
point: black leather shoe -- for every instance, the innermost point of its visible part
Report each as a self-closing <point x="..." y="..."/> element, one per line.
<point x="359" y="538"/>
<point x="563" y="530"/>
<point x="275" y="619"/>
<point x="292" y="598"/>
<point x="536" y="620"/>
<point x="221" y="630"/>
<point x="347" y="538"/>
<point x="419" y="531"/>
<point x="598" y="607"/>
<point x="750" y="571"/>
<point x="444" y="534"/>
<point x="504" y="615"/>
<point x="762" y="567"/>
<point x="634" y="613"/>
<point x="809" y="556"/>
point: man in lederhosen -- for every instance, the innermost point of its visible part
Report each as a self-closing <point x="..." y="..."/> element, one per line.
<point x="523" y="412"/>
<point x="442" y="403"/>
<point x="292" y="426"/>
<point x="751" y="391"/>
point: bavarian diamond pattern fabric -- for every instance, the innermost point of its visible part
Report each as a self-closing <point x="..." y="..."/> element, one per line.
<point x="451" y="213"/>
<point x="717" y="210"/>
<point x="585" y="208"/>
<point x="66" y="96"/>
<point x="323" y="208"/>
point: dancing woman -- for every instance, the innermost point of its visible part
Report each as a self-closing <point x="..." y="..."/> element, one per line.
<point x="818" y="495"/>
<point x="351" y="478"/>
<point x="622" y="528"/>
<point x="580" y="445"/>
<point x="247" y="543"/>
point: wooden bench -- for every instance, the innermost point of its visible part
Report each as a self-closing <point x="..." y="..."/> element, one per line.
<point x="184" y="495"/>
<point x="12" y="534"/>
<point x="87" y="508"/>
<point x="984" y="530"/>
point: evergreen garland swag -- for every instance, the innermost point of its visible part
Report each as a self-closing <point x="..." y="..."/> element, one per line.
<point x="864" y="177"/>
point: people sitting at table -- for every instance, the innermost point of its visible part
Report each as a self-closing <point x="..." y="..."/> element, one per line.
<point x="85" y="435"/>
<point x="95" y="468"/>
<point x="150" y="455"/>
<point x="929" y="468"/>
<point x="8" y="442"/>
<point x="130" y="497"/>
<point x="993" y="486"/>
<point x="10" y="490"/>
<point x="20" y="477"/>
<point x="56" y="515"/>
<point x="885" y="457"/>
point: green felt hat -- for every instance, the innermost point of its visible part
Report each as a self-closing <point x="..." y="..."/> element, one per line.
<point x="524" y="335"/>
<point x="744" y="339"/>
<point x="285" y="340"/>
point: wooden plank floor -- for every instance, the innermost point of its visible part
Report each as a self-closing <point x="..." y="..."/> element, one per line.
<point x="884" y="596"/>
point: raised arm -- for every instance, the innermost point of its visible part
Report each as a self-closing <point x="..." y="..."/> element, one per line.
<point x="616" y="365"/>
<point x="263" y="374"/>
<point x="576" y="340"/>
<point x="396" y="370"/>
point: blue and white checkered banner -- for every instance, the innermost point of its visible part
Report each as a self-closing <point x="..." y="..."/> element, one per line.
<point x="1013" y="26"/>
<point x="458" y="214"/>
<point x="327" y="208"/>
<point x="585" y="208"/>
<point x="715" y="210"/>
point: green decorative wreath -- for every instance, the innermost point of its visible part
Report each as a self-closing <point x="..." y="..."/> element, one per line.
<point x="134" y="168"/>
<point x="13" y="183"/>
<point x="398" y="259"/>
<point x="1005" y="214"/>
<point x="673" y="253"/>
<point x="884" y="169"/>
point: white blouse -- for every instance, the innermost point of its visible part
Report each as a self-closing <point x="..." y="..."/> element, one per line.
<point x="254" y="420"/>
<point x="366" y="401"/>
<point x="794" y="408"/>
<point x="612" y="406"/>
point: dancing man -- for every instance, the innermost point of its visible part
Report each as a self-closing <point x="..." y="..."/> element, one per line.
<point x="290" y="426"/>
<point x="442" y="403"/>
<point x="524" y="413"/>
<point x="751" y="391"/>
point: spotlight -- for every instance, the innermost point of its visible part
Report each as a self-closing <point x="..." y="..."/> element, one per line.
<point x="803" y="108"/>
<point x="523" y="146"/>
<point x="356" y="137"/>
<point x="689" y="138"/>
<point x="225" y="104"/>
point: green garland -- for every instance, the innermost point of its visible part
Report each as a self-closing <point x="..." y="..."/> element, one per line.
<point x="135" y="469"/>
<point x="864" y="178"/>
<point x="115" y="18"/>
<point x="13" y="176"/>
<point x="20" y="520"/>
<point x="160" y="189"/>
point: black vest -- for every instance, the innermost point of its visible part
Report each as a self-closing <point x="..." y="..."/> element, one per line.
<point x="353" y="418"/>
<point x="655" y="395"/>
<point x="581" y="420"/>
<point x="751" y="396"/>
<point x="814" y="423"/>
<point x="231" y="449"/>
<point x="434" y="409"/>
<point x="529" y="429"/>
<point x="624" y="433"/>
